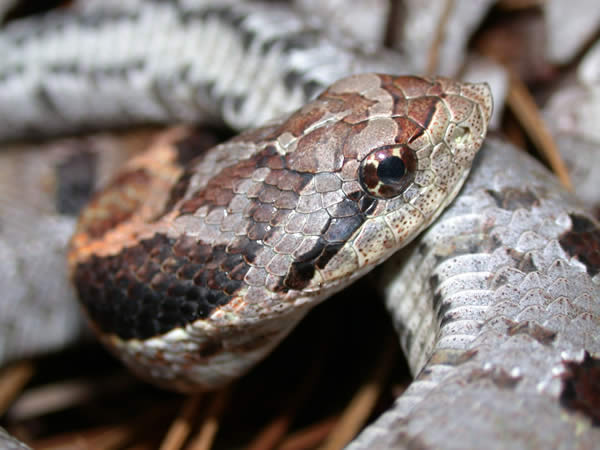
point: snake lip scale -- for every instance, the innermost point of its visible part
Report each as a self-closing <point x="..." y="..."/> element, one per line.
<point x="195" y="285"/>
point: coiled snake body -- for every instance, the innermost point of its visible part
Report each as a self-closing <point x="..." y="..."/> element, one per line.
<point x="499" y="321"/>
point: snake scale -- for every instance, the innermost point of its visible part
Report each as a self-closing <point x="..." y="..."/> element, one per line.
<point x="497" y="303"/>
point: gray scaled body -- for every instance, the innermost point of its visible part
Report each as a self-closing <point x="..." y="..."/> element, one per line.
<point x="498" y="310"/>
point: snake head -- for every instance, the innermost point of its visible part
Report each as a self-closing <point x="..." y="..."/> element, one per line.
<point x="403" y="147"/>
<point x="204" y="268"/>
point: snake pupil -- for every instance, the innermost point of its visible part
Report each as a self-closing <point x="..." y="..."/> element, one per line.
<point x="391" y="170"/>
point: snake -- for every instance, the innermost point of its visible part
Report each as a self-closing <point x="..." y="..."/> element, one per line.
<point x="496" y="304"/>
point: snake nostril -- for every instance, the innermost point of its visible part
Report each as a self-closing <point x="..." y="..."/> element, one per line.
<point x="462" y="135"/>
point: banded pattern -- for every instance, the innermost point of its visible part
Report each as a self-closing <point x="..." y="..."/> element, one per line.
<point x="197" y="284"/>
<point x="241" y="63"/>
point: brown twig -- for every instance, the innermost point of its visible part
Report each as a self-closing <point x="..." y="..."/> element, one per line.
<point x="309" y="437"/>
<point x="523" y="106"/>
<point x="110" y="436"/>
<point x="275" y="431"/>
<point x="65" y="394"/>
<point x="363" y="402"/>
<point x="182" y="425"/>
<point x="104" y="437"/>
<point x="434" y="50"/>
<point x="12" y="381"/>
<point x="204" y="438"/>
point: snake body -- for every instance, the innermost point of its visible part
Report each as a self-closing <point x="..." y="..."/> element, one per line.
<point x="501" y="318"/>
<point x="233" y="62"/>
<point x="497" y="306"/>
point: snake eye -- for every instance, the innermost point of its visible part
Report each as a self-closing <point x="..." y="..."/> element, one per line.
<point x="387" y="171"/>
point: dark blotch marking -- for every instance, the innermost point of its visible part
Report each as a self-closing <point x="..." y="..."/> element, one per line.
<point x="76" y="177"/>
<point x="367" y="204"/>
<point x="583" y="242"/>
<point x="328" y="252"/>
<point x="513" y="199"/>
<point x="45" y="99"/>
<point x="448" y="317"/>
<point x="311" y="88"/>
<point x="210" y="348"/>
<point x="292" y="78"/>
<point x="326" y="247"/>
<point x="299" y="275"/>
<point x="158" y="285"/>
<point x="443" y="311"/>
<point x="524" y="261"/>
<point x="270" y="157"/>
<point x="226" y="15"/>
<point x="543" y="335"/>
<point x="581" y="387"/>
<point x="195" y="144"/>
<point x="439" y="306"/>
<point x="177" y="192"/>
<point x="527" y="264"/>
